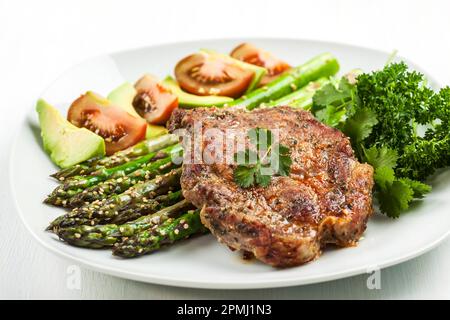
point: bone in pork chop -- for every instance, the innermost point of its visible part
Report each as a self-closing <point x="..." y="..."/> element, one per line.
<point x="326" y="199"/>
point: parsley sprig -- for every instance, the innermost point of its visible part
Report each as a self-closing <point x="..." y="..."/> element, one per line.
<point x="397" y="124"/>
<point x="268" y="158"/>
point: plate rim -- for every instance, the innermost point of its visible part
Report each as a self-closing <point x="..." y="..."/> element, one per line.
<point x="170" y="281"/>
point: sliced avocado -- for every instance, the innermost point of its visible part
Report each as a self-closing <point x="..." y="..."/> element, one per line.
<point x="187" y="100"/>
<point x="154" y="130"/>
<point x="123" y="96"/>
<point x="259" y="72"/>
<point x="66" y="143"/>
<point x="102" y="101"/>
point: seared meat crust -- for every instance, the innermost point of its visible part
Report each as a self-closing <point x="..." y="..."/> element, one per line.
<point x="327" y="198"/>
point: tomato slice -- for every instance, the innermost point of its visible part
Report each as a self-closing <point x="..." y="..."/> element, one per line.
<point x="119" y="129"/>
<point x="212" y="75"/>
<point x="248" y="53"/>
<point x="153" y="101"/>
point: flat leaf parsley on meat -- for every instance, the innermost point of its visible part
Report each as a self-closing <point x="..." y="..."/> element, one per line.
<point x="258" y="167"/>
<point x="397" y="124"/>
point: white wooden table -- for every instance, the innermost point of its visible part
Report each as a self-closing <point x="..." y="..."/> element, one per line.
<point x="39" y="39"/>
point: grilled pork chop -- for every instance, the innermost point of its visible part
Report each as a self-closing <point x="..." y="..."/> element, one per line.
<point x="326" y="199"/>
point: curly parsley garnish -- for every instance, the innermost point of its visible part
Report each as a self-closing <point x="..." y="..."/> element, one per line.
<point x="256" y="167"/>
<point x="397" y="124"/>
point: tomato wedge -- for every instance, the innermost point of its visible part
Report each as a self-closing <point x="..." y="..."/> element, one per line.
<point x="119" y="129"/>
<point x="212" y="75"/>
<point x="248" y="53"/>
<point x="153" y="101"/>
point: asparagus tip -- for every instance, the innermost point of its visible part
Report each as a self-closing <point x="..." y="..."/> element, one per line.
<point x="52" y="228"/>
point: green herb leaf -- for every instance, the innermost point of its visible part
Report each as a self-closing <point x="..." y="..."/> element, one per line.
<point x="271" y="159"/>
<point x="394" y="194"/>
<point x="285" y="161"/>
<point x="262" y="180"/>
<point x="395" y="198"/>
<point x="384" y="176"/>
<point x="360" y="125"/>
<point x="260" y="138"/>
<point x="249" y="157"/>
<point x="332" y="95"/>
<point x="244" y="175"/>
<point x="419" y="189"/>
<point x="334" y="103"/>
<point x="331" y="116"/>
<point x="381" y="157"/>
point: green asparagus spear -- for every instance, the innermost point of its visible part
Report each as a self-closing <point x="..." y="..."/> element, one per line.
<point x="301" y="98"/>
<point x="152" y="239"/>
<point x="119" y="185"/>
<point x="134" y="211"/>
<point x="78" y="184"/>
<point x="101" y="236"/>
<point x="324" y="65"/>
<point x="135" y="200"/>
<point x="97" y="163"/>
<point x="76" y="218"/>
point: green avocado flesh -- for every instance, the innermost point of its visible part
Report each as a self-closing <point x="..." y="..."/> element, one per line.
<point x="66" y="143"/>
<point x="123" y="97"/>
<point x="259" y="72"/>
<point x="187" y="100"/>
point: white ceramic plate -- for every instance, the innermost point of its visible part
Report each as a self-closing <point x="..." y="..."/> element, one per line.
<point x="202" y="262"/>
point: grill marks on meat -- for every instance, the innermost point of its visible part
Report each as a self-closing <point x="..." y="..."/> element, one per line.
<point x="327" y="198"/>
